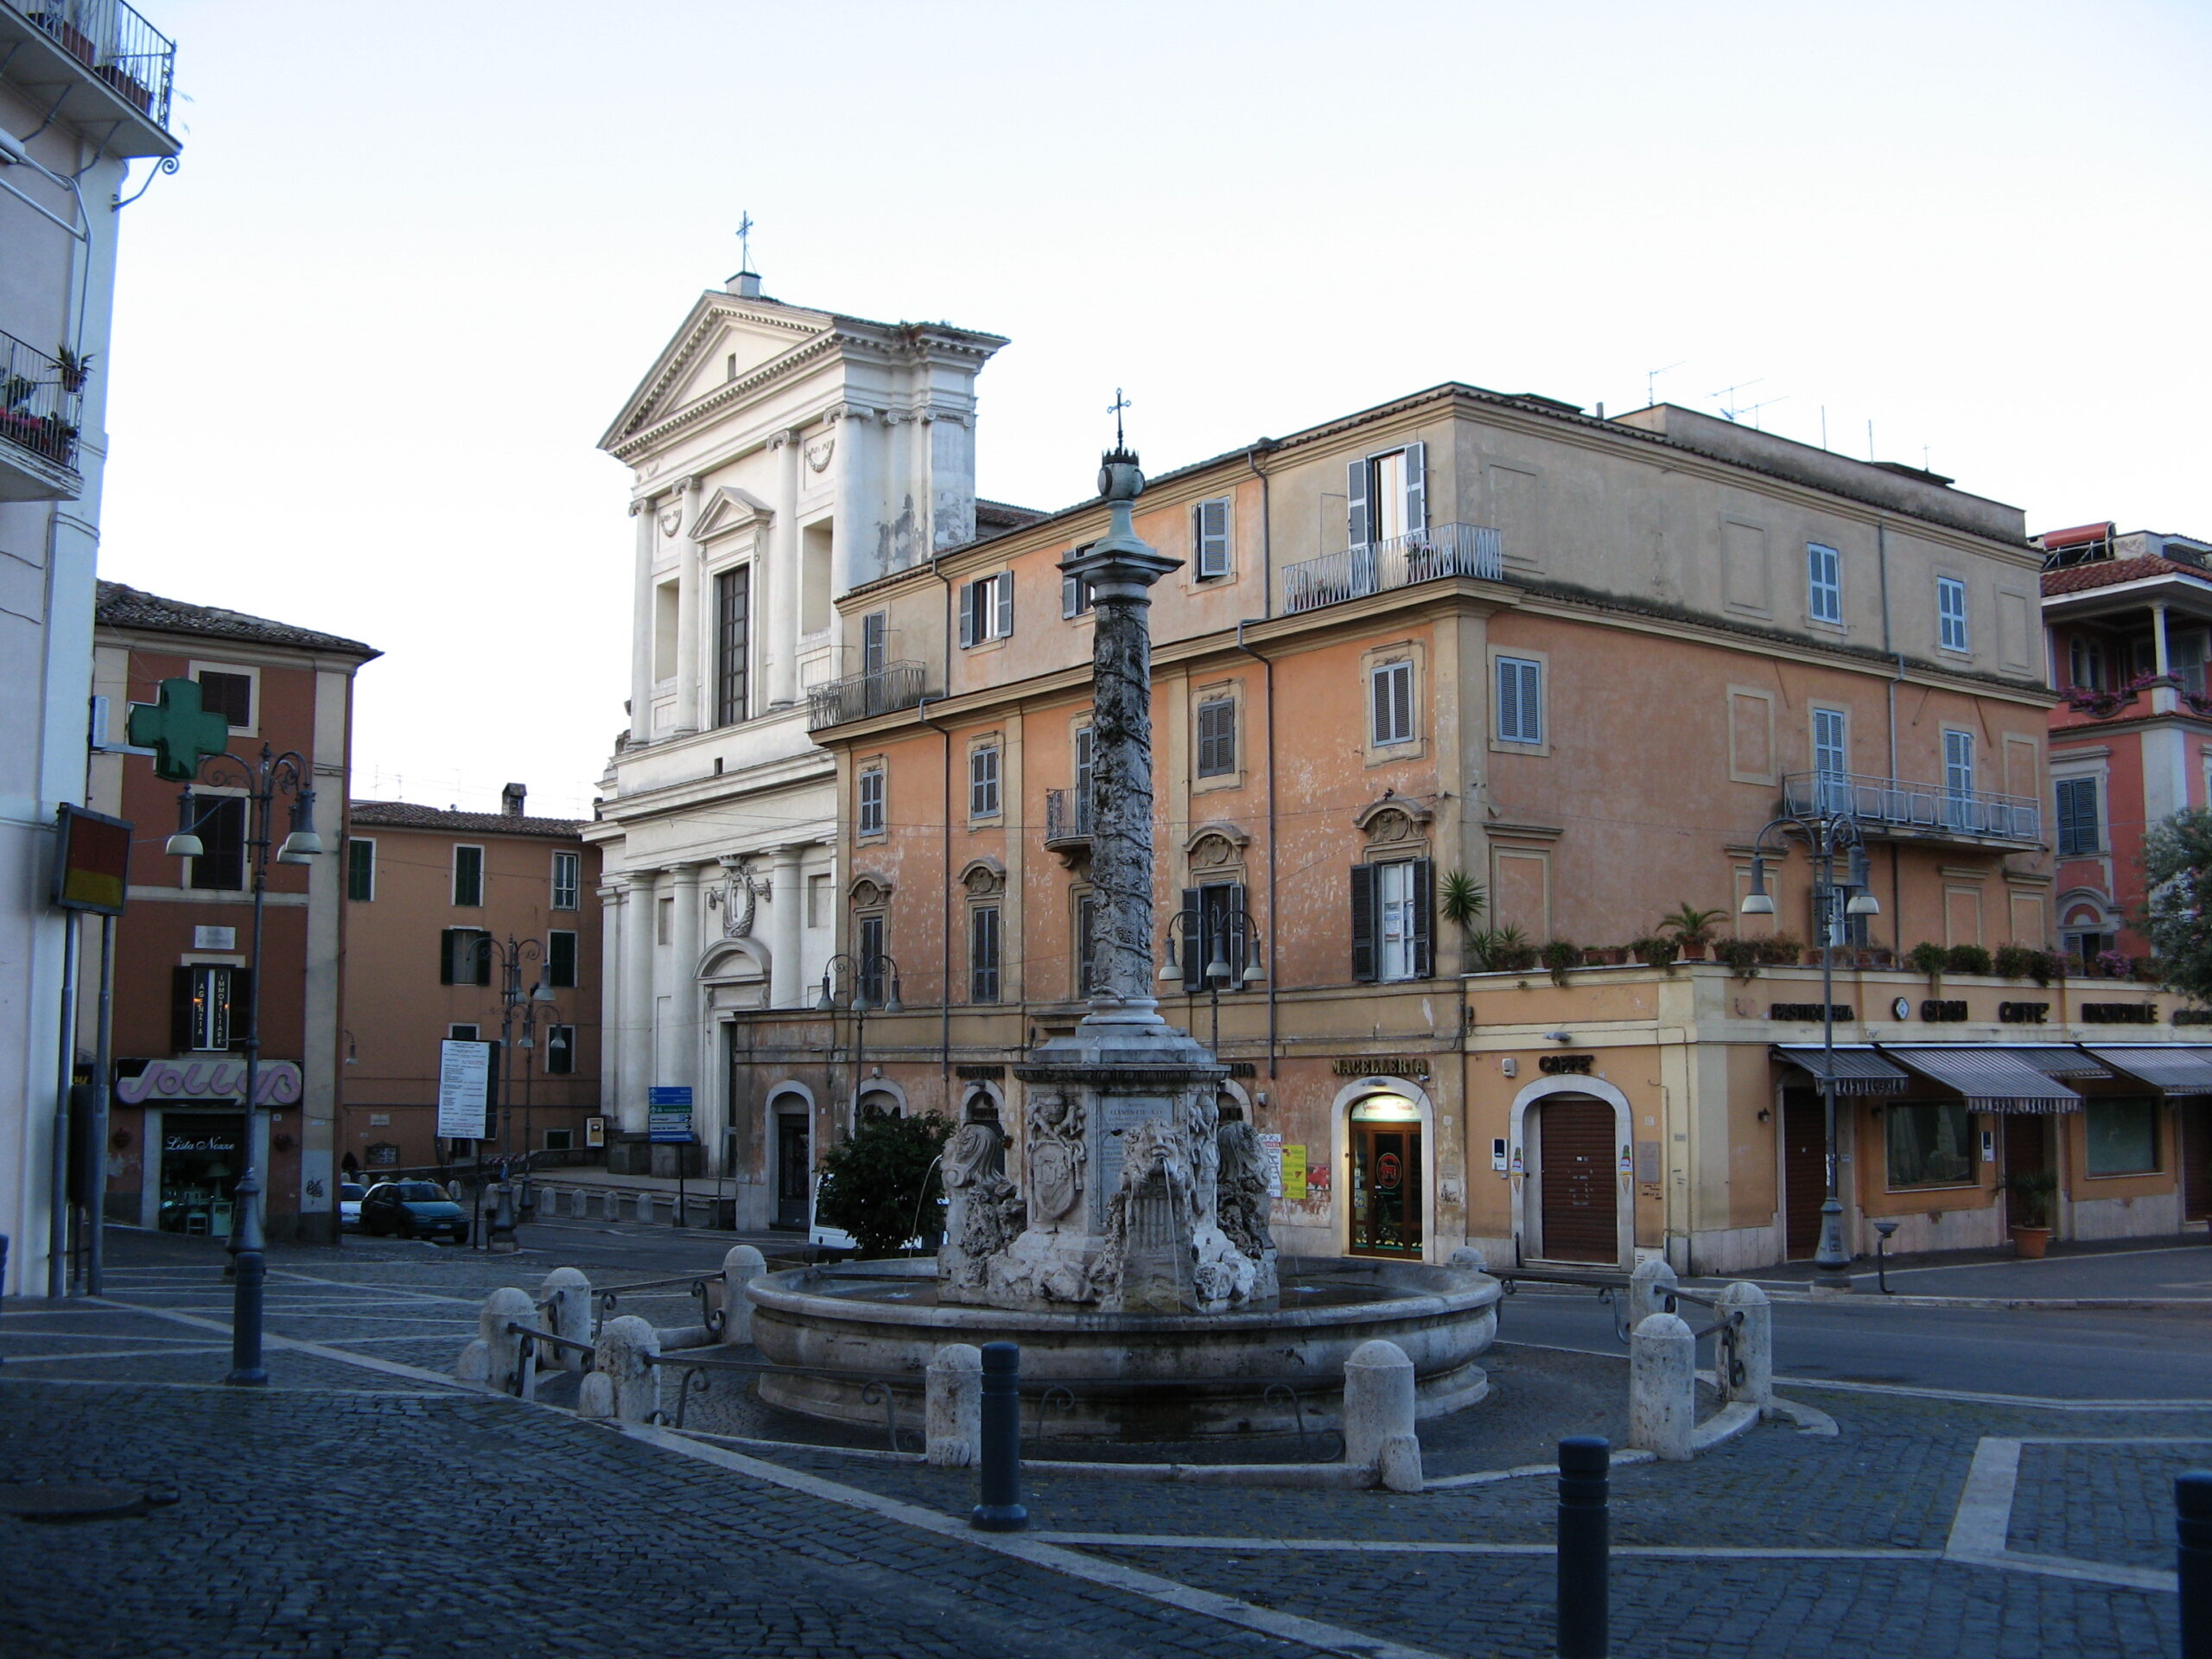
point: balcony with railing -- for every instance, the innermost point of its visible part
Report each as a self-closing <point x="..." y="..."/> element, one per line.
<point x="1067" y="820"/>
<point x="136" y="61"/>
<point x="1403" y="561"/>
<point x="1890" y="808"/>
<point x="41" y="403"/>
<point x="860" y="696"/>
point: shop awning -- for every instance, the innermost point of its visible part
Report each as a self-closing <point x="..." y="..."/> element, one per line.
<point x="1992" y="1079"/>
<point x="2175" y="1069"/>
<point x="2058" y="1060"/>
<point x="1858" y="1070"/>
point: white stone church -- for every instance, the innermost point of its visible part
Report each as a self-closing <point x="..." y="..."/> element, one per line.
<point x="780" y="456"/>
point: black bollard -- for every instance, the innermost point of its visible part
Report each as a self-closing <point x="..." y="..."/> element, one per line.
<point x="249" y="1257"/>
<point x="1001" y="1510"/>
<point x="2193" y="1559"/>
<point x="1585" y="1464"/>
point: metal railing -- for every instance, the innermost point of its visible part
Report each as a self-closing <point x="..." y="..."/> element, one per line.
<point x="698" y="1285"/>
<point x="1936" y="809"/>
<point x="1378" y="567"/>
<point x="40" y="402"/>
<point x="118" y="44"/>
<point x="879" y="691"/>
<point x="1067" y="816"/>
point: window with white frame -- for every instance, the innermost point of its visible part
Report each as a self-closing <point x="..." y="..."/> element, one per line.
<point x="567" y="877"/>
<point x="868" y="800"/>
<point x="464" y="956"/>
<point x="1209" y="538"/>
<point x="1520" y="701"/>
<point x="1386" y="495"/>
<point x="986" y="609"/>
<point x="1951" y="612"/>
<point x="1390" y="702"/>
<point x="1392" y="931"/>
<point x="1824" y="583"/>
<point x="983" y="781"/>
<point x="2085" y="662"/>
<point x="1831" y="760"/>
<point x="468" y="877"/>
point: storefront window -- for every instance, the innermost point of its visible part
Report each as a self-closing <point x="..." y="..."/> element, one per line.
<point x="1929" y="1145"/>
<point x="200" y="1164"/>
<point x="2123" y="1137"/>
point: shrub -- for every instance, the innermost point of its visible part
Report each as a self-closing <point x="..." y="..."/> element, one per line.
<point x="2015" y="962"/>
<point x="1653" y="951"/>
<point x="2050" y="967"/>
<point x="1741" y="956"/>
<point x="1690" y="924"/>
<point x="1928" y="957"/>
<point x="1780" y="949"/>
<point x="1966" y="959"/>
<point x="879" y="1183"/>
<point x="1558" y="955"/>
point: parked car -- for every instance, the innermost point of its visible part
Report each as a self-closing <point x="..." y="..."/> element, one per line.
<point x="350" y="1194"/>
<point x="413" y="1209"/>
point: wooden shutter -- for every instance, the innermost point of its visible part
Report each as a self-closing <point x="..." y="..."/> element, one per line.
<point x="445" y="955"/>
<point x="1509" y="701"/>
<point x="1417" y="488"/>
<point x="1236" y="941"/>
<point x="1356" y="519"/>
<point x="1212" y="538"/>
<point x="1071" y="595"/>
<point x="1421" y="925"/>
<point x="1003" y="586"/>
<point x="1363" y="922"/>
<point x="238" y="999"/>
<point x="872" y="638"/>
<point x="479" y="958"/>
<point x="968" y="595"/>
<point x="180" y="1010"/>
<point x="1194" y="950"/>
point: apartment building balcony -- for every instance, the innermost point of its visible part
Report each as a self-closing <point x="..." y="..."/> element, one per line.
<point x="1067" y="821"/>
<point x="1891" y="808"/>
<point x="100" y="61"/>
<point x="40" y="402"/>
<point x="859" y="696"/>
<point x="1402" y="562"/>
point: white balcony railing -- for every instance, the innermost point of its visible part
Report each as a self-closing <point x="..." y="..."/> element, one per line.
<point x="1378" y="567"/>
<point x="1931" y="809"/>
<point x="115" y="44"/>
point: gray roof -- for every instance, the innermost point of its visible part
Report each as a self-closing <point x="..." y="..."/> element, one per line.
<point x="119" y="606"/>
<point x="405" y="815"/>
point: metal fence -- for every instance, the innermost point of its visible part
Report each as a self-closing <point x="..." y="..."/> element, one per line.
<point x="40" y="402"/>
<point x="1935" y="808"/>
<point x="1378" y="567"/>
<point x="112" y="40"/>
<point x="1067" y="815"/>
<point x="880" y="691"/>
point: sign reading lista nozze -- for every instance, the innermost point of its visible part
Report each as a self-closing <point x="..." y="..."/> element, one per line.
<point x="464" y="1090"/>
<point x="668" y="1112"/>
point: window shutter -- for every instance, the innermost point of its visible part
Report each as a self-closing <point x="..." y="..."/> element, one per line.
<point x="237" y="1000"/>
<point x="1509" y="701"/>
<point x="1416" y="487"/>
<point x="1363" y="922"/>
<point x="872" y="650"/>
<point x="1070" y="595"/>
<point x="1004" y="584"/>
<point x="1213" y="538"/>
<point x="1356" y="503"/>
<point x="445" y="956"/>
<point x="480" y="958"/>
<point x="180" y="1010"/>
<point x="1379" y="716"/>
<point x="1401" y="698"/>
<point x="1421" y="924"/>
<point x="968" y="608"/>
<point x="1194" y="944"/>
<point x="1238" y="941"/>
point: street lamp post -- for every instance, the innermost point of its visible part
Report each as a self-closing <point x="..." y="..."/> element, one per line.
<point x="866" y="980"/>
<point x="516" y="1005"/>
<point x="260" y="781"/>
<point x="1222" y="935"/>
<point x="1826" y="834"/>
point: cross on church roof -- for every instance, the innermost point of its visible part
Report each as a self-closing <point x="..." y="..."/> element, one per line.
<point x="179" y="731"/>
<point x="745" y="241"/>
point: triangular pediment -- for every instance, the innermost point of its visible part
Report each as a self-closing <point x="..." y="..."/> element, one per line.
<point x="730" y="510"/>
<point x="724" y="342"/>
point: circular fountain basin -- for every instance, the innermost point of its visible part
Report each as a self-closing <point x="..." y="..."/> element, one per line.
<point x="852" y="1329"/>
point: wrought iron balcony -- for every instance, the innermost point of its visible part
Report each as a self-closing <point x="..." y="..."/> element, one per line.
<point x="1921" y="811"/>
<point x="1378" y="567"/>
<point x="136" y="60"/>
<point x="857" y="696"/>
<point x="1067" y="819"/>
<point x="40" y="401"/>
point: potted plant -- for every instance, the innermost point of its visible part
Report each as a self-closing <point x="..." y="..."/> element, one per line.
<point x="1461" y="901"/>
<point x="1654" y="950"/>
<point x="2032" y="1191"/>
<point x="1558" y="955"/>
<point x="1510" y="952"/>
<point x="1693" y="928"/>
<point x="1742" y="956"/>
<point x="75" y="369"/>
<point x="1928" y="957"/>
<point x="1780" y="949"/>
<point x="1966" y="959"/>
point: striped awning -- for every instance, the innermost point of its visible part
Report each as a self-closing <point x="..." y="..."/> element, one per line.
<point x="2175" y="1069"/>
<point x="2059" y="1060"/>
<point x="1856" y="1068"/>
<point x="1992" y="1079"/>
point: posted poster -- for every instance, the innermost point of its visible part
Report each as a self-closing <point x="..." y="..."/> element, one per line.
<point x="464" y="1090"/>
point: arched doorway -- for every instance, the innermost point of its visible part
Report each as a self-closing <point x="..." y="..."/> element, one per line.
<point x="1569" y="1138"/>
<point x="791" y="1116"/>
<point x="1387" y="1200"/>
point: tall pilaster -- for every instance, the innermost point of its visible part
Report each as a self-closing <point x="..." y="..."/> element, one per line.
<point x="613" y="1058"/>
<point x="786" y="577"/>
<point x="691" y="620"/>
<point x="786" y="916"/>
<point x="641" y="626"/>
<point x="640" y="921"/>
<point x="680" y="1056"/>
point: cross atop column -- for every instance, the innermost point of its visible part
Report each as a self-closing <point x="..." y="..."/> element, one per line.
<point x="1120" y="402"/>
<point x="179" y="730"/>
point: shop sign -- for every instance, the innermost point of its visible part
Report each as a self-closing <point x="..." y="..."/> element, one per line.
<point x="198" y="1143"/>
<point x="2024" y="1014"/>
<point x="276" y="1083"/>
<point x="2120" y="1013"/>
<point x="1951" y="1011"/>
<point x="1565" y="1064"/>
<point x="1379" y="1066"/>
<point x="1810" y="1012"/>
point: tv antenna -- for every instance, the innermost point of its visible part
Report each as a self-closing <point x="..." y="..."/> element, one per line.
<point x="1725" y="397"/>
<point x="744" y="241"/>
<point x="1753" y="411"/>
<point x="1651" y="381"/>
<point x="1120" y="402"/>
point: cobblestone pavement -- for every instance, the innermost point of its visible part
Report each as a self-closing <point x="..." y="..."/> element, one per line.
<point x="361" y="1506"/>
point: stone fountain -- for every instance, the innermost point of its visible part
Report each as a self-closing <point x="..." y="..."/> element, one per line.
<point x="1132" y="1261"/>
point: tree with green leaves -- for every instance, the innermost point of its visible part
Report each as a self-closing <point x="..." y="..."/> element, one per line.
<point x="881" y="1185"/>
<point x="2176" y="914"/>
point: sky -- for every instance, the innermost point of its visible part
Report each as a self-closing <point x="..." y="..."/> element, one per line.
<point x="418" y="255"/>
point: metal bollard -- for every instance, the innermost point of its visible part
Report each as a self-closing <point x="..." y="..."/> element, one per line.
<point x="1001" y="1510"/>
<point x="1584" y="1467"/>
<point x="2193" y="1560"/>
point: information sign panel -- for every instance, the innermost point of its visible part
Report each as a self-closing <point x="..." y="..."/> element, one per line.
<point x="464" y="1090"/>
<point x="668" y="1112"/>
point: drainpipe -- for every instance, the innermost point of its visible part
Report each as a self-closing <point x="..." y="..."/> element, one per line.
<point x="1275" y="931"/>
<point x="1265" y="446"/>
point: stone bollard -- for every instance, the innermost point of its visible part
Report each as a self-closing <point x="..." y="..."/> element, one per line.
<point x="742" y="1265"/>
<point x="1662" y="1388"/>
<point x="567" y="1296"/>
<point x="502" y="1347"/>
<point x="1649" y="1288"/>
<point x="1754" y="1344"/>
<point x="1379" y="1416"/>
<point x="624" y="1355"/>
<point x="953" y="1418"/>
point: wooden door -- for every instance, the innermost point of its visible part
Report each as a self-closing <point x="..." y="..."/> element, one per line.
<point x="1804" y="1171"/>
<point x="2196" y="1159"/>
<point x="2027" y="1149"/>
<point x="794" y="1171"/>
<point x="1386" y="1195"/>
<point x="1579" y="1194"/>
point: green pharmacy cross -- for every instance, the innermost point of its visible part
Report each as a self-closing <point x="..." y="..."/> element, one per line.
<point x="179" y="731"/>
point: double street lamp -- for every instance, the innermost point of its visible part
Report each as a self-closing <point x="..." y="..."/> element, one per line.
<point x="865" y="983"/>
<point x="258" y="783"/>
<point x="1826" y="834"/>
<point x="523" y="1008"/>
<point x="1230" y="941"/>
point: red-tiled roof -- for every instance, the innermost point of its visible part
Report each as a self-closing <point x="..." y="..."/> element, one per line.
<point x="119" y="607"/>
<point x="405" y="815"/>
<point x="2108" y="573"/>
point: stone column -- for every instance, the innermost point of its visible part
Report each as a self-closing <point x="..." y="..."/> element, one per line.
<point x="849" y="430"/>
<point x="785" y="576"/>
<point x="612" y="1062"/>
<point x="640" y="919"/>
<point x="641" y="628"/>
<point x="2165" y="700"/>
<point x="691" y="618"/>
<point x="683" y="988"/>
<point x="786" y="918"/>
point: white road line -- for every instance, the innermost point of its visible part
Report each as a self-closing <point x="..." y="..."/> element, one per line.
<point x="1981" y="1529"/>
<point x="228" y="1387"/>
<point x="367" y="1361"/>
<point x="1969" y="1397"/>
<point x="1461" y="1546"/>
<point x="16" y="1360"/>
<point x="1488" y="1477"/>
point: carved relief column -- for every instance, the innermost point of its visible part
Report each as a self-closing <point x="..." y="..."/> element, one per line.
<point x="692" y="621"/>
<point x="786" y="908"/>
<point x="641" y="626"/>
<point x="640" y="919"/>
<point x="785" y="577"/>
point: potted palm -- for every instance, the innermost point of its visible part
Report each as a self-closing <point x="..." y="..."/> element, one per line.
<point x="1692" y="928"/>
<point x="1461" y="900"/>
<point x="2031" y="1191"/>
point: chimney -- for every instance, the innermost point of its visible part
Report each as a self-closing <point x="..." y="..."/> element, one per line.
<point x="745" y="285"/>
<point x="510" y="799"/>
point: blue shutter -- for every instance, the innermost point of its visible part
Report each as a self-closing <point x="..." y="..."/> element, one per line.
<point x="1508" y="702"/>
<point x="1417" y="488"/>
<point x="1356" y="534"/>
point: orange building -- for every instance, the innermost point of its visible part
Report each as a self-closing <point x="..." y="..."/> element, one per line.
<point x="1473" y="642"/>
<point x="457" y="922"/>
